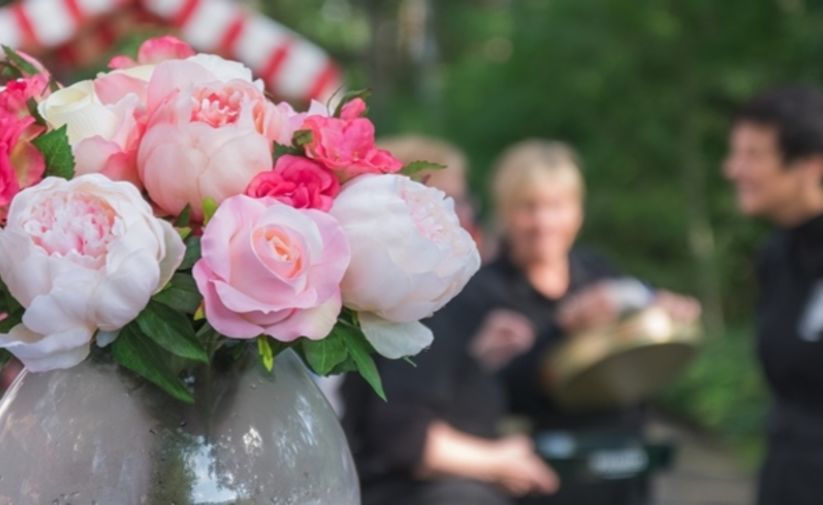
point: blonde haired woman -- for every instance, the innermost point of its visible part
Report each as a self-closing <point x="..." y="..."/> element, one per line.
<point x="539" y="193"/>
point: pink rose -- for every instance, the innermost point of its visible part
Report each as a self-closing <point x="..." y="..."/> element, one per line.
<point x="16" y="94"/>
<point x="21" y="164"/>
<point x="205" y="137"/>
<point x="270" y="269"/>
<point x="154" y="51"/>
<point x="298" y="182"/>
<point x="346" y="144"/>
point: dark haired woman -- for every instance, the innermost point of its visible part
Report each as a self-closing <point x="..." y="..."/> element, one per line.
<point x="775" y="162"/>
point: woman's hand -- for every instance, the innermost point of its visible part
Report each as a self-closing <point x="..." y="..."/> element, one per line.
<point x="683" y="309"/>
<point x="504" y="335"/>
<point x="592" y="307"/>
<point x="509" y="463"/>
<point x="520" y="471"/>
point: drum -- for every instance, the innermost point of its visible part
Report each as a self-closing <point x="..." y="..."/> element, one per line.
<point x="620" y="365"/>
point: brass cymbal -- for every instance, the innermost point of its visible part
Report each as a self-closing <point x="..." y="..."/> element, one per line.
<point x="622" y="364"/>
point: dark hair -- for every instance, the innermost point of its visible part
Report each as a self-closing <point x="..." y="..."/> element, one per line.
<point x="796" y="112"/>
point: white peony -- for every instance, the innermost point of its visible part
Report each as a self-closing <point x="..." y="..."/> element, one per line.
<point x="80" y="256"/>
<point x="410" y="256"/>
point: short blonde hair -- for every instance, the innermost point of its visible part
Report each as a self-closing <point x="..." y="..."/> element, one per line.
<point x="531" y="162"/>
<point x="409" y="148"/>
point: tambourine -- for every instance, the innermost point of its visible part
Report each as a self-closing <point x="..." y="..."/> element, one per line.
<point x="619" y="365"/>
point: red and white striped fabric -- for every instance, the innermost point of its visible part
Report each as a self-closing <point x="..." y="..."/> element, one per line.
<point x="292" y="67"/>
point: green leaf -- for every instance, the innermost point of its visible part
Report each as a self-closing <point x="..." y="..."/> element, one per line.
<point x="141" y="355"/>
<point x="7" y="301"/>
<point x="5" y="357"/>
<point x="9" y="72"/>
<point x="172" y="331"/>
<point x="19" y="62"/>
<point x="266" y="354"/>
<point x="416" y="168"/>
<point x="302" y="138"/>
<point x="209" y="208"/>
<point x="348" y="365"/>
<point x="360" y="351"/>
<point x="180" y="294"/>
<point x="11" y="320"/>
<point x="324" y="355"/>
<point x="57" y="152"/>
<point x="192" y="253"/>
<point x="31" y="105"/>
<point x="348" y="97"/>
<point x="281" y="150"/>
<point x="184" y="219"/>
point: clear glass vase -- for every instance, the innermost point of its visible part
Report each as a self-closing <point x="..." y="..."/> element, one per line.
<point x="95" y="434"/>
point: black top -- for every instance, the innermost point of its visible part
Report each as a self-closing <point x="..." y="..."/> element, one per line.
<point x="447" y="384"/>
<point x="790" y="331"/>
<point x="525" y="392"/>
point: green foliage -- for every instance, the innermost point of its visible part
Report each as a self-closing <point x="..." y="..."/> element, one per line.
<point x="192" y="252"/>
<point x="18" y="61"/>
<point x="416" y="168"/>
<point x="172" y="331"/>
<point x="302" y="138"/>
<point x="361" y="352"/>
<point x="266" y="353"/>
<point x="184" y="219"/>
<point x="344" y="350"/>
<point x="209" y="208"/>
<point x="180" y="294"/>
<point x="56" y="150"/>
<point x="723" y="392"/>
<point x="137" y="352"/>
<point x="323" y="356"/>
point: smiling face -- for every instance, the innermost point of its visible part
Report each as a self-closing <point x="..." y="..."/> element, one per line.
<point x="766" y="184"/>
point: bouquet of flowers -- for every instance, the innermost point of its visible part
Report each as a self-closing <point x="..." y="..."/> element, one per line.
<point x="168" y="211"/>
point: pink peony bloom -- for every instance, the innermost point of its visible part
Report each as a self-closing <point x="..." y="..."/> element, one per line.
<point x="80" y="255"/>
<point x="205" y="137"/>
<point x="346" y="144"/>
<point x="270" y="269"/>
<point x="298" y="182"/>
<point x="154" y="51"/>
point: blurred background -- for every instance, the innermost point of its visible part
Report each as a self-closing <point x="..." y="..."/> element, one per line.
<point x="643" y="89"/>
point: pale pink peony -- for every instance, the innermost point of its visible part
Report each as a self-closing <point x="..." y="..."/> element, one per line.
<point x="410" y="256"/>
<point x="80" y="256"/>
<point x="346" y="144"/>
<point x="298" y="182"/>
<point x="205" y="137"/>
<point x="270" y="269"/>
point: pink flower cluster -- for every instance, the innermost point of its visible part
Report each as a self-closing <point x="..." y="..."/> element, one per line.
<point x="21" y="164"/>
<point x="306" y="208"/>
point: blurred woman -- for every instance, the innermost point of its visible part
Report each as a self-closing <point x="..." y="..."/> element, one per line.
<point x="775" y="162"/>
<point x="561" y="289"/>
<point x="436" y="441"/>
